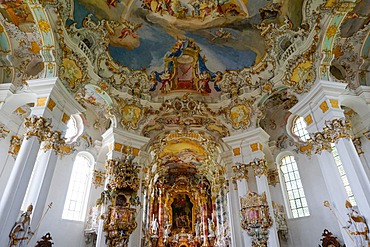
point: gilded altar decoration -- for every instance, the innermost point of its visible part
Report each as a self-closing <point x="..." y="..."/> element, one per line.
<point x="255" y="218"/>
<point x="15" y="145"/>
<point x="3" y="131"/>
<point x="121" y="195"/>
<point x="329" y="240"/>
<point x="259" y="167"/>
<point x="37" y="126"/>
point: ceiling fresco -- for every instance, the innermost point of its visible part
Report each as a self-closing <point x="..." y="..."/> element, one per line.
<point x="145" y="31"/>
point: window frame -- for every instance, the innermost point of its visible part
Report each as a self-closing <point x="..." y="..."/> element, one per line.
<point x="284" y="189"/>
<point x="85" y="191"/>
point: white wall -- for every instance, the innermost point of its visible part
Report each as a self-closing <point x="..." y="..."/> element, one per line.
<point x="307" y="231"/>
<point x="64" y="232"/>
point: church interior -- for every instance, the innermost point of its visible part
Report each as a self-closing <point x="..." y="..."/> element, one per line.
<point x="185" y="123"/>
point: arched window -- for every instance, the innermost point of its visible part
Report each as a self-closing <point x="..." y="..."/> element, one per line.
<point x="79" y="187"/>
<point x="294" y="194"/>
<point x="299" y="129"/>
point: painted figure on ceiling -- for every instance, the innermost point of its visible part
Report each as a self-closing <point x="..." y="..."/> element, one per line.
<point x="186" y="69"/>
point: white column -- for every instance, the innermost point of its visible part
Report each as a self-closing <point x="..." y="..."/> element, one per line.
<point x="39" y="187"/>
<point x="263" y="187"/>
<point x="15" y="190"/>
<point x="356" y="175"/>
<point x="337" y="193"/>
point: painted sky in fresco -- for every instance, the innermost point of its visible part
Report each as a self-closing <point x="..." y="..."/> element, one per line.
<point x="233" y="47"/>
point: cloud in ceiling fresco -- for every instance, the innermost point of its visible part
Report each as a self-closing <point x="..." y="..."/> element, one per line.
<point x="146" y="30"/>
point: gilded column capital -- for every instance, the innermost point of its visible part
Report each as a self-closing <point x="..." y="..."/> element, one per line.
<point x="259" y="167"/>
<point x="37" y="126"/>
<point x="240" y="171"/>
<point x="3" y="131"/>
<point x="319" y="142"/>
<point x="337" y="128"/>
<point x="333" y="131"/>
<point x="54" y="140"/>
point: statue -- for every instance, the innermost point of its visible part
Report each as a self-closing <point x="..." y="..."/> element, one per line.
<point x="197" y="229"/>
<point x="167" y="231"/>
<point x="155" y="226"/>
<point x="21" y="230"/>
<point x="357" y="227"/>
<point x="211" y="227"/>
<point x="46" y="241"/>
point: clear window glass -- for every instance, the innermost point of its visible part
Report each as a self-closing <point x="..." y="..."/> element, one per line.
<point x="343" y="176"/>
<point x="299" y="129"/>
<point x="78" y="189"/>
<point x="294" y="188"/>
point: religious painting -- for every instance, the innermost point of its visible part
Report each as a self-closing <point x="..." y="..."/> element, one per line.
<point x="131" y="115"/>
<point x="240" y="115"/>
<point x="18" y="13"/>
<point x="182" y="213"/>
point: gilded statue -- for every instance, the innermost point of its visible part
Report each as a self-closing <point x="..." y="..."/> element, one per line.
<point x="21" y="230"/>
<point x="357" y="227"/>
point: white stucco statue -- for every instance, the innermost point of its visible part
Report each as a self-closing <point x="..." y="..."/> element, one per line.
<point x="357" y="227"/>
<point x="21" y="232"/>
<point x="155" y="226"/>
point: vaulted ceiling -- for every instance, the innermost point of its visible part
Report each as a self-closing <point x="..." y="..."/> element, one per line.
<point x="198" y="69"/>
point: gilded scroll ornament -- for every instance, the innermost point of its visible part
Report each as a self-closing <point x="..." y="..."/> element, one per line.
<point x="37" y="126"/>
<point x="259" y="166"/>
<point x="55" y="141"/>
<point x="256" y="219"/>
<point x="15" y="145"/>
<point x="332" y="132"/>
<point x="3" y="131"/>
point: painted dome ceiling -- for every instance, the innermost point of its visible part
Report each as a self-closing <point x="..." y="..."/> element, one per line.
<point x="146" y="30"/>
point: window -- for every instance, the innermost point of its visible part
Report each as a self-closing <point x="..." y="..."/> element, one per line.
<point x="343" y="175"/>
<point x="79" y="187"/>
<point x="299" y="128"/>
<point x="294" y="189"/>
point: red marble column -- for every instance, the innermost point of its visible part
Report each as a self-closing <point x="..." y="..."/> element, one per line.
<point x="160" y="215"/>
